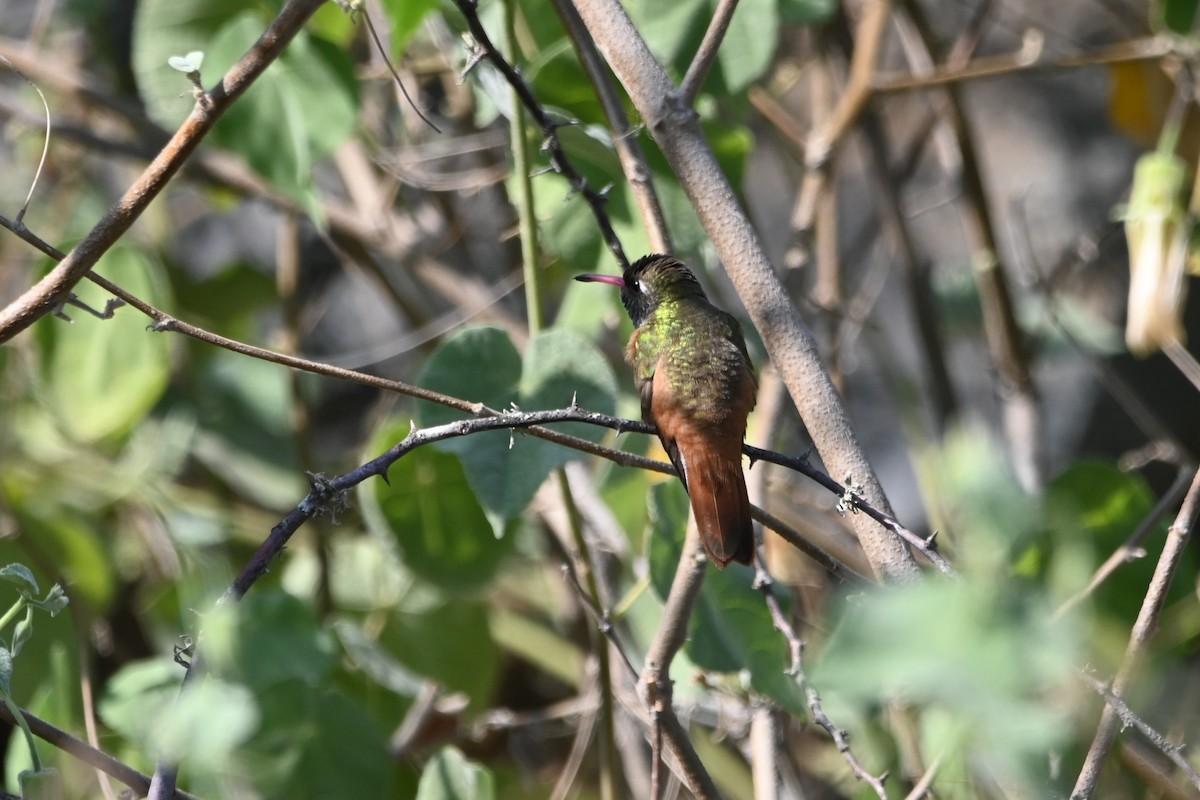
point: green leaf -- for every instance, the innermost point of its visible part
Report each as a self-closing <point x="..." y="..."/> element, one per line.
<point x="20" y="576"/>
<point x="104" y="375"/>
<point x="163" y="28"/>
<point x="730" y="629"/>
<point x="296" y="113"/>
<point x="466" y="661"/>
<point x="1177" y="16"/>
<point x="22" y="631"/>
<point x="1095" y="506"/>
<point x="406" y="17"/>
<point x="366" y="655"/>
<point x="674" y="29"/>
<point x="562" y="367"/>
<point x="982" y="650"/>
<point x="205" y="724"/>
<point x="480" y="364"/>
<point x="246" y="436"/>
<point x="749" y="44"/>
<point x="429" y="509"/>
<point x="449" y="775"/>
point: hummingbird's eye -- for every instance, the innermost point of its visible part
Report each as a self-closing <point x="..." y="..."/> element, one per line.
<point x="641" y="287"/>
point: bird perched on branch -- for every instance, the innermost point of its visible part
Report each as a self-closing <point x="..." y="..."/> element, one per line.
<point x="697" y="387"/>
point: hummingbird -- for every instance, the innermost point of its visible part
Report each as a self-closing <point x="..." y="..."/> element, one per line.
<point x="697" y="387"/>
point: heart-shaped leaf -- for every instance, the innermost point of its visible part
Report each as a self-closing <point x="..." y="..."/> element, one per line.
<point x="480" y="364"/>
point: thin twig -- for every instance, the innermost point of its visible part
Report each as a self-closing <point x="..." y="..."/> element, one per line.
<point x="559" y="161"/>
<point x="383" y="53"/>
<point x="1147" y="619"/>
<point x="1005" y="339"/>
<point x="625" y="137"/>
<point x="765" y="584"/>
<point x="706" y="53"/>
<point x="1147" y="49"/>
<point x="868" y="43"/>
<point x="45" y="142"/>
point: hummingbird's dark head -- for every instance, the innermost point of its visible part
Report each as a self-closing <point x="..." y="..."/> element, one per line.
<point x="649" y="281"/>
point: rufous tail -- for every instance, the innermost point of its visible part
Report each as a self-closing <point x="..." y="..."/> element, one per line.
<point x="721" y="506"/>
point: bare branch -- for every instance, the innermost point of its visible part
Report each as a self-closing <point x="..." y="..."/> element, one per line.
<point x="52" y="289"/>
<point x="706" y="54"/>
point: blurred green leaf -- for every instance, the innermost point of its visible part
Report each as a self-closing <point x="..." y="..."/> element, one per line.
<point x="981" y="650"/>
<point x="368" y="656"/>
<point x="104" y="375"/>
<point x="78" y="551"/>
<point x="405" y="18"/>
<point x="466" y="661"/>
<point x="245" y="435"/>
<point x="429" y="509"/>
<point x="450" y="776"/>
<point x="480" y="364"/>
<point x="1096" y="506"/>
<point x="749" y="44"/>
<point x="673" y="30"/>
<point x="730" y="629"/>
<point x="1177" y="16"/>
<point x="267" y="637"/>
<point x="204" y="724"/>
<point x="163" y="28"/>
<point x="20" y="576"/>
<point x="315" y="744"/>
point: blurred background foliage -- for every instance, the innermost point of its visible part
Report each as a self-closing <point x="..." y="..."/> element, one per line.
<point x="424" y="643"/>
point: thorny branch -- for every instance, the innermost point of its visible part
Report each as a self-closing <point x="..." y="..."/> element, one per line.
<point x="559" y="162"/>
<point x="1129" y="718"/>
<point x="1147" y="620"/>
